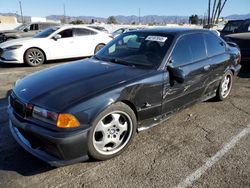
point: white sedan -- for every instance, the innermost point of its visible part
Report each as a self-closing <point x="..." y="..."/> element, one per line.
<point x="54" y="43"/>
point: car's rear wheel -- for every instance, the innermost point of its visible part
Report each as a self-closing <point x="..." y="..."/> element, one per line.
<point x="34" y="57"/>
<point x="225" y="86"/>
<point x="99" y="47"/>
<point x="111" y="132"/>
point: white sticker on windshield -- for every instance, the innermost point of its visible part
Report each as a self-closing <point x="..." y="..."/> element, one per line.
<point x="157" y="38"/>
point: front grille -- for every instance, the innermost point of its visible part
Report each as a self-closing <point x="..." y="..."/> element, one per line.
<point x="18" y="106"/>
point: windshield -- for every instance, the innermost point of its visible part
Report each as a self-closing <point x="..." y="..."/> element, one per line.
<point x="21" y="27"/>
<point x="47" y="32"/>
<point x="232" y="26"/>
<point x="137" y="49"/>
<point x="119" y="31"/>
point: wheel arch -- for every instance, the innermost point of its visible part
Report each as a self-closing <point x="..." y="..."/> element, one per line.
<point x="131" y="105"/>
<point x="45" y="56"/>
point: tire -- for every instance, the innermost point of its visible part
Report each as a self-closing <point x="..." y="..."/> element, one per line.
<point x="225" y="86"/>
<point x="98" y="47"/>
<point x="34" y="57"/>
<point x="112" y="131"/>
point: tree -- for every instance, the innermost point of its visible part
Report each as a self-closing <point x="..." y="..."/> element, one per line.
<point x="111" y="20"/>
<point x="77" y="22"/>
<point x="194" y="19"/>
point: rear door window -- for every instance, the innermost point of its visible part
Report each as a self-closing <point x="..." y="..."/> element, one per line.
<point x="83" y="32"/>
<point x="214" y="45"/>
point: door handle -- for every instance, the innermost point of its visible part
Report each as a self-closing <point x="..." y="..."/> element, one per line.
<point x="207" y="67"/>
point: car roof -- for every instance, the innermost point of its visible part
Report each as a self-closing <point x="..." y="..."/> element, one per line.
<point x="174" y="31"/>
<point x="76" y="26"/>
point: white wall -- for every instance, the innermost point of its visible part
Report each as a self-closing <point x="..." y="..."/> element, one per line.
<point x="38" y="19"/>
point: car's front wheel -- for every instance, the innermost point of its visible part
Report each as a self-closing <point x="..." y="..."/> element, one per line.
<point x="34" y="57"/>
<point x="225" y="86"/>
<point x="112" y="131"/>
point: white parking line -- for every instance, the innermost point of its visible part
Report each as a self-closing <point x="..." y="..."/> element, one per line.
<point x="211" y="161"/>
<point x="11" y="72"/>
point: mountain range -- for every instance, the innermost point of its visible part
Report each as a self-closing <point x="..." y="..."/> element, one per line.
<point x="128" y="19"/>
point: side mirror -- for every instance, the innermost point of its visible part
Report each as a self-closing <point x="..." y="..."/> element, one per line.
<point x="176" y="73"/>
<point x="57" y="36"/>
<point x="26" y="30"/>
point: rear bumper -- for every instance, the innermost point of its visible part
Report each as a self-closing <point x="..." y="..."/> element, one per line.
<point x="55" y="148"/>
<point x="237" y="69"/>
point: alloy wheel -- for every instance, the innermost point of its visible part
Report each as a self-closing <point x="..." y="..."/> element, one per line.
<point x="112" y="133"/>
<point x="226" y="86"/>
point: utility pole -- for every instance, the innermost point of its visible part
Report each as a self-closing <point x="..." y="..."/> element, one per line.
<point x="213" y="11"/>
<point x="21" y="10"/>
<point x="208" y="17"/>
<point x="139" y="16"/>
<point x="64" y="14"/>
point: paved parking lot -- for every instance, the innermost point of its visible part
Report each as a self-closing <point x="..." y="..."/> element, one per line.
<point x="207" y="145"/>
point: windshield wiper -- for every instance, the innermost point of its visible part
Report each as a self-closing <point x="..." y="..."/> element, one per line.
<point x="100" y="58"/>
<point x="120" y="61"/>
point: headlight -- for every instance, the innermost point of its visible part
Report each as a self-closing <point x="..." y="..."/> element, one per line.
<point x="60" y="120"/>
<point x="44" y="115"/>
<point x="14" y="47"/>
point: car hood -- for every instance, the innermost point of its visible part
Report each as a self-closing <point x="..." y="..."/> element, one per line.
<point x="60" y="87"/>
<point x="18" y="41"/>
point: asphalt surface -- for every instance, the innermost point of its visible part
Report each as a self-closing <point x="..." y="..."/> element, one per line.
<point x="207" y="145"/>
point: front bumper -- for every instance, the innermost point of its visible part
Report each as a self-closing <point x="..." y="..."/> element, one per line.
<point x="11" y="56"/>
<point x="55" y="148"/>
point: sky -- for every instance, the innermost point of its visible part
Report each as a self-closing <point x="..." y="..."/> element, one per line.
<point x="105" y="8"/>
